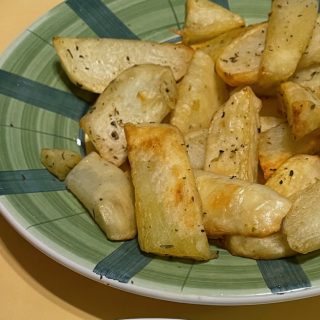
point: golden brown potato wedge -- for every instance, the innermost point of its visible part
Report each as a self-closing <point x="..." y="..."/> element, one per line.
<point x="295" y="174"/>
<point x="301" y="107"/>
<point x="234" y="206"/>
<point x="309" y="78"/>
<point x="302" y="223"/>
<point x="196" y="142"/>
<point x="200" y="94"/>
<point x="232" y="143"/>
<point x="274" y="246"/>
<point x="205" y="20"/>
<point x="277" y="145"/>
<point x="167" y="202"/>
<point x="59" y="161"/>
<point x="144" y="93"/>
<point x="286" y="39"/>
<point x="107" y="193"/>
<point x="311" y="56"/>
<point x="239" y="62"/>
<point x="215" y="46"/>
<point x="93" y="63"/>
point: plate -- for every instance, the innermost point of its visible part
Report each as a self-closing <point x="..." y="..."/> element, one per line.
<point x="40" y="108"/>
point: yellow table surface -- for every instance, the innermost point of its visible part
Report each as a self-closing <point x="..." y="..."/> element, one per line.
<point x="35" y="287"/>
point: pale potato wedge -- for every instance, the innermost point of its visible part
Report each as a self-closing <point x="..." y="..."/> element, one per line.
<point x="167" y="202"/>
<point x="267" y="123"/>
<point x="232" y="143"/>
<point x="196" y="142"/>
<point x="144" y="93"/>
<point x="274" y="246"/>
<point x="301" y="107"/>
<point x="93" y="63"/>
<point x="302" y="223"/>
<point x="59" y="161"/>
<point x="234" y="206"/>
<point x="311" y="56"/>
<point x="205" y="20"/>
<point x="290" y="27"/>
<point x="107" y="193"/>
<point x="200" y="94"/>
<point x="295" y="174"/>
<point x="216" y="45"/>
<point x="277" y="145"/>
<point x="309" y="78"/>
<point x="239" y="62"/>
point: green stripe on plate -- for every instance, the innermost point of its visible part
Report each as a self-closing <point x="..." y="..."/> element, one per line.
<point x="42" y="96"/>
<point x="28" y="181"/>
<point x="101" y="19"/>
<point x="223" y="3"/>
<point x="118" y="267"/>
<point x="283" y="275"/>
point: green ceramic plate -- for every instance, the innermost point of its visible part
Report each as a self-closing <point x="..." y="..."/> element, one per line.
<point x="39" y="109"/>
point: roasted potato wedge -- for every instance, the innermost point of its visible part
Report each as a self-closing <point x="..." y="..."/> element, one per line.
<point x="234" y="206"/>
<point x="93" y="63"/>
<point x="311" y="56"/>
<point x="215" y="46"/>
<point x="309" y="78"/>
<point x="107" y="193"/>
<point x="286" y="40"/>
<point x="301" y="107"/>
<point x="200" y="94"/>
<point x="232" y="143"/>
<point x="196" y="142"/>
<point x="59" y="161"/>
<point x="274" y="246"/>
<point x="302" y="223"/>
<point x="295" y="174"/>
<point x="167" y="202"/>
<point x="267" y="123"/>
<point x="144" y="93"/>
<point x="239" y="62"/>
<point x="205" y="20"/>
<point x="277" y="145"/>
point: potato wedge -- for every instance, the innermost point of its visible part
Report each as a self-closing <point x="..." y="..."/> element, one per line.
<point x="295" y="174"/>
<point x="301" y="107"/>
<point x="286" y="40"/>
<point x="196" y="142"/>
<point x="205" y="20"/>
<point x="59" y="161"/>
<point x="215" y="46"/>
<point x="309" y="78"/>
<point x="274" y="246"/>
<point x="311" y="56"/>
<point x="234" y="206"/>
<point x="239" y="62"/>
<point x="232" y="143"/>
<point x="107" y="193"/>
<point x="302" y="223"/>
<point x="267" y="123"/>
<point x="200" y="94"/>
<point x="93" y="63"/>
<point x="277" y="145"/>
<point x="168" y="206"/>
<point x="144" y="93"/>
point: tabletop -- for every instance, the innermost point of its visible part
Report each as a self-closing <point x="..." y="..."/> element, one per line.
<point x="36" y="287"/>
